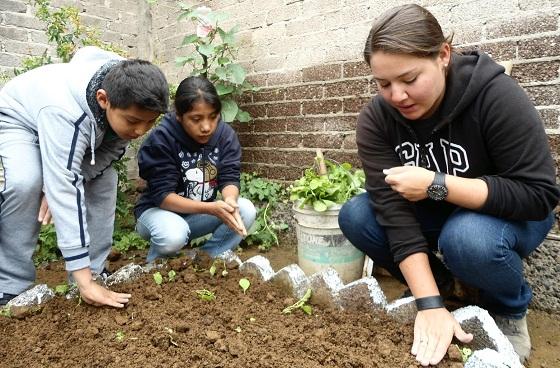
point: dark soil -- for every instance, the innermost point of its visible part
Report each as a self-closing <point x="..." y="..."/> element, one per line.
<point x="169" y="326"/>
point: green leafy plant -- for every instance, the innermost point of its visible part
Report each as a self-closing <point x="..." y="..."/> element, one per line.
<point x="171" y="275"/>
<point x="206" y="295"/>
<point x="62" y="289"/>
<point x="245" y="284"/>
<point x="158" y="278"/>
<point x="119" y="336"/>
<point x="300" y="304"/>
<point x="322" y="191"/>
<point x="212" y="54"/>
<point x="5" y="312"/>
<point x="47" y="246"/>
<point x="465" y="352"/>
<point x="265" y="194"/>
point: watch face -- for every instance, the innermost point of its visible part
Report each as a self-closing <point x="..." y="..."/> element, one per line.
<point x="437" y="192"/>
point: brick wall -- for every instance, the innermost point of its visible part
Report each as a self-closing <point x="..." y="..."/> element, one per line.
<point x="124" y="23"/>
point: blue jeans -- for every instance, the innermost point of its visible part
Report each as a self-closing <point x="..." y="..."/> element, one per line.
<point x="168" y="232"/>
<point x="482" y="251"/>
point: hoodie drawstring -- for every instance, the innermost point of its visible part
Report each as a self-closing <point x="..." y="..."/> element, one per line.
<point x="92" y="141"/>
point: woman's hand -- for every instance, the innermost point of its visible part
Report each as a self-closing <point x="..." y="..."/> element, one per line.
<point x="44" y="217"/>
<point x="433" y="331"/>
<point x="411" y="182"/>
<point x="95" y="294"/>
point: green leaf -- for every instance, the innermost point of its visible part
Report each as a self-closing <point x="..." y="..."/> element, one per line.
<point x="158" y="278"/>
<point x="319" y="205"/>
<point x="192" y="38"/>
<point x="171" y="275"/>
<point x="229" y="110"/>
<point x="223" y="89"/>
<point x="212" y="269"/>
<point x="307" y="309"/>
<point x="243" y="117"/>
<point x="222" y="73"/>
<point x="206" y="49"/>
<point x="61" y="289"/>
<point x="227" y="37"/>
<point x="244" y="283"/>
<point x="223" y="60"/>
<point x="237" y="73"/>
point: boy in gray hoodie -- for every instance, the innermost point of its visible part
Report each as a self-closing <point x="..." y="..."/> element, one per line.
<point x="61" y="128"/>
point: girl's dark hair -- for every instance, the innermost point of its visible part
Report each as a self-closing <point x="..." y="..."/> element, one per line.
<point x="136" y="82"/>
<point x="407" y="29"/>
<point x="194" y="89"/>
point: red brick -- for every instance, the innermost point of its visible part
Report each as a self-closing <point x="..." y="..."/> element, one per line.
<point x="322" y="107"/>
<point x="268" y="156"/>
<point x="283" y="173"/>
<point x="257" y="79"/>
<point x="323" y="140"/>
<point x="245" y="99"/>
<point x="341" y="123"/>
<point x="269" y="125"/>
<point x="350" y="142"/>
<point x="355" y="104"/>
<point x="242" y="127"/>
<point x="322" y="73"/>
<point x="343" y="156"/>
<point x="284" y="140"/>
<point x="347" y="88"/>
<point x="284" y="109"/>
<point x="300" y="158"/>
<point x="356" y="69"/>
<point x="252" y="140"/>
<point x="256" y="111"/>
<point x="305" y="92"/>
<point x="539" y="47"/>
<point x="500" y="50"/>
<point x="522" y="26"/>
<point x="544" y="95"/>
<point x="271" y="94"/>
<point x="550" y="118"/>
<point x="542" y="71"/>
<point x="307" y="124"/>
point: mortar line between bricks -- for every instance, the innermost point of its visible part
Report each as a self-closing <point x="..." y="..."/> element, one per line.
<point x="536" y="60"/>
<point x="513" y="38"/>
<point x="554" y="82"/>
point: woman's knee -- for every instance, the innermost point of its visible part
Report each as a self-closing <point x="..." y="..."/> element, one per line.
<point x="247" y="211"/>
<point x="355" y="213"/>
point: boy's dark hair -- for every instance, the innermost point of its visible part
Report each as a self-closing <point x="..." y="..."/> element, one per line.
<point x="194" y="89"/>
<point x="407" y="29"/>
<point x="136" y="82"/>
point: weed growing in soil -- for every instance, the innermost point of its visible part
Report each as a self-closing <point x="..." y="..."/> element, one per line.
<point x="206" y="295"/>
<point x="5" y="312"/>
<point x="300" y="304"/>
<point x="158" y="278"/>
<point x="171" y="275"/>
<point x="62" y="289"/>
<point x="119" y="336"/>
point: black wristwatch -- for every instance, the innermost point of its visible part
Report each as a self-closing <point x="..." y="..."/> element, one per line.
<point x="437" y="191"/>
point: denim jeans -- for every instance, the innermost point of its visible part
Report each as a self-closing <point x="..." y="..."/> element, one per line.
<point x="482" y="251"/>
<point x="168" y="232"/>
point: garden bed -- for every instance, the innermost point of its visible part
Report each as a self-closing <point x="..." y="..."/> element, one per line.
<point x="168" y="325"/>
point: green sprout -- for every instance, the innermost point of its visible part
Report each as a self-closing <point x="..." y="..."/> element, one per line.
<point x="244" y="283"/>
<point x="171" y="275"/>
<point x="158" y="278"/>
<point x="206" y="295"/>
<point x="119" y="336"/>
<point x="62" y="289"/>
<point x="465" y="353"/>
<point x="300" y="304"/>
<point x="5" y="312"/>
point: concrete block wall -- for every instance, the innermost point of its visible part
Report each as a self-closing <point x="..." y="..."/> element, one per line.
<point x="125" y="23"/>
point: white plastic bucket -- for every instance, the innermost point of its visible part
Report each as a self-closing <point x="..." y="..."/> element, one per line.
<point x="321" y="244"/>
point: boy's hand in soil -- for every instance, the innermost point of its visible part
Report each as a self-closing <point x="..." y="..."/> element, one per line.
<point x="44" y="217"/>
<point x="95" y="294"/>
<point x="433" y="331"/>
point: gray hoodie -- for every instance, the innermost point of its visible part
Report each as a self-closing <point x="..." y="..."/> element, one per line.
<point x="51" y="101"/>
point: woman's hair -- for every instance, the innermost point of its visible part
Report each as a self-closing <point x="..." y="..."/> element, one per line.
<point x="194" y="89"/>
<point x="407" y="29"/>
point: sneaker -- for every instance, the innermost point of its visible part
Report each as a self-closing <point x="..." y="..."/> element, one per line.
<point x="517" y="333"/>
<point x="6" y="298"/>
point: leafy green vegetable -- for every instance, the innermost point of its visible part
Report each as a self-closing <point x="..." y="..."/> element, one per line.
<point x="205" y="295"/>
<point x="323" y="191"/>
<point x="300" y="304"/>
<point x="244" y="283"/>
<point x="158" y="278"/>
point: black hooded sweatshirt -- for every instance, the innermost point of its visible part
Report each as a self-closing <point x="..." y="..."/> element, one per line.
<point x="172" y="162"/>
<point x="485" y="127"/>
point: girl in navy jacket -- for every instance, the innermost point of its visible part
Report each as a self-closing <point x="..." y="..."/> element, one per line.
<point x="186" y="160"/>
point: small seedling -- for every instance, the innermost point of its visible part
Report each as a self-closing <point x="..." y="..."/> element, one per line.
<point x="224" y="272"/>
<point x="206" y="295"/>
<point x="300" y="304"/>
<point x="171" y="275"/>
<point x="62" y="289"/>
<point x="237" y="329"/>
<point x="158" y="278"/>
<point x="244" y="283"/>
<point x="5" y="312"/>
<point x="465" y="353"/>
<point x="119" y="336"/>
<point x="212" y="269"/>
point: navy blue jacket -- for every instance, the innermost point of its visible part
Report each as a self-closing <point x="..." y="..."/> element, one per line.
<point x="172" y="162"/>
